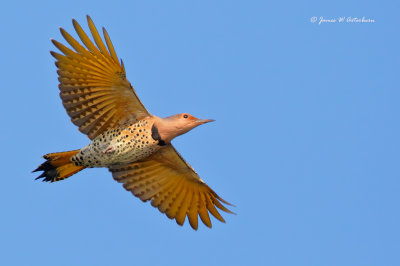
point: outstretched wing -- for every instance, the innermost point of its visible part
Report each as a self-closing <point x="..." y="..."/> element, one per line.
<point x="93" y="85"/>
<point x="172" y="185"/>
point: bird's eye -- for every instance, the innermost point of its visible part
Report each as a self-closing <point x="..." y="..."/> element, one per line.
<point x="185" y="116"/>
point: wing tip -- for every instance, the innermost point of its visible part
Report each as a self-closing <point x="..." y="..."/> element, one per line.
<point x="208" y="225"/>
<point x="53" y="41"/>
<point x="75" y="23"/>
<point x="54" y="54"/>
<point x="89" y="19"/>
<point x="228" y="211"/>
<point x="224" y="201"/>
<point x="180" y="223"/>
<point x="62" y="31"/>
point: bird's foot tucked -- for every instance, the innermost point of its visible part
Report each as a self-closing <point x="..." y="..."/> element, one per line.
<point x="108" y="150"/>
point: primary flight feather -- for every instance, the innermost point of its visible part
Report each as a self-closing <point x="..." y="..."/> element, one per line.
<point x="132" y="143"/>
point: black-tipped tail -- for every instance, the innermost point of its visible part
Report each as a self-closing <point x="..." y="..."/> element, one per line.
<point x="50" y="173"/>
<point x="58" y="166"/>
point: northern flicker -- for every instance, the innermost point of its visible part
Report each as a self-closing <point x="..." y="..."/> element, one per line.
<point x="132" y="143"/>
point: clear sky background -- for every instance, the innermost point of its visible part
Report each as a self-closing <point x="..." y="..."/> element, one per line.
<point x="306" y="142"/>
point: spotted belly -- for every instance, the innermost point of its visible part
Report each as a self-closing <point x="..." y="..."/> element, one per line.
<point x="125" y="144"/>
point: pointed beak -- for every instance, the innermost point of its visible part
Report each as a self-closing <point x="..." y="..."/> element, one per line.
<point x="203" y="121"/>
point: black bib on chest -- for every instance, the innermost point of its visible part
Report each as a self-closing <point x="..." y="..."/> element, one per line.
<point x="156" y="135"/>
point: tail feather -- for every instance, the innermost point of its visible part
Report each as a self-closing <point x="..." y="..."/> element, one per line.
<point x="58" y="166"/>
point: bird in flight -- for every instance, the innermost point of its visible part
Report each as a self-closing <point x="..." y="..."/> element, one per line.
<point x="133" y="144"/>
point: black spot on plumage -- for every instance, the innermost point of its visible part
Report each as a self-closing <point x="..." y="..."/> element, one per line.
<point x="161" y="142"/>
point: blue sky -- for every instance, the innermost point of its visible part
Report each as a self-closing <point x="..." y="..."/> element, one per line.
<point x="306" y="142"/>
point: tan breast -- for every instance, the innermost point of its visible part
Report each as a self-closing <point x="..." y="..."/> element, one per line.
<point x="125" y="144"/>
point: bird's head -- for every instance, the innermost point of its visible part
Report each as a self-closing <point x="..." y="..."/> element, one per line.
<point x="176" y="125"/>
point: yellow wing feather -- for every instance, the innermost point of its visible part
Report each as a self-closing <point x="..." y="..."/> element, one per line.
<point x="93" y="85"/>
<point x="97" y="37"/>
<point x="110" y="46"/>
<point x="172" y="186"/>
